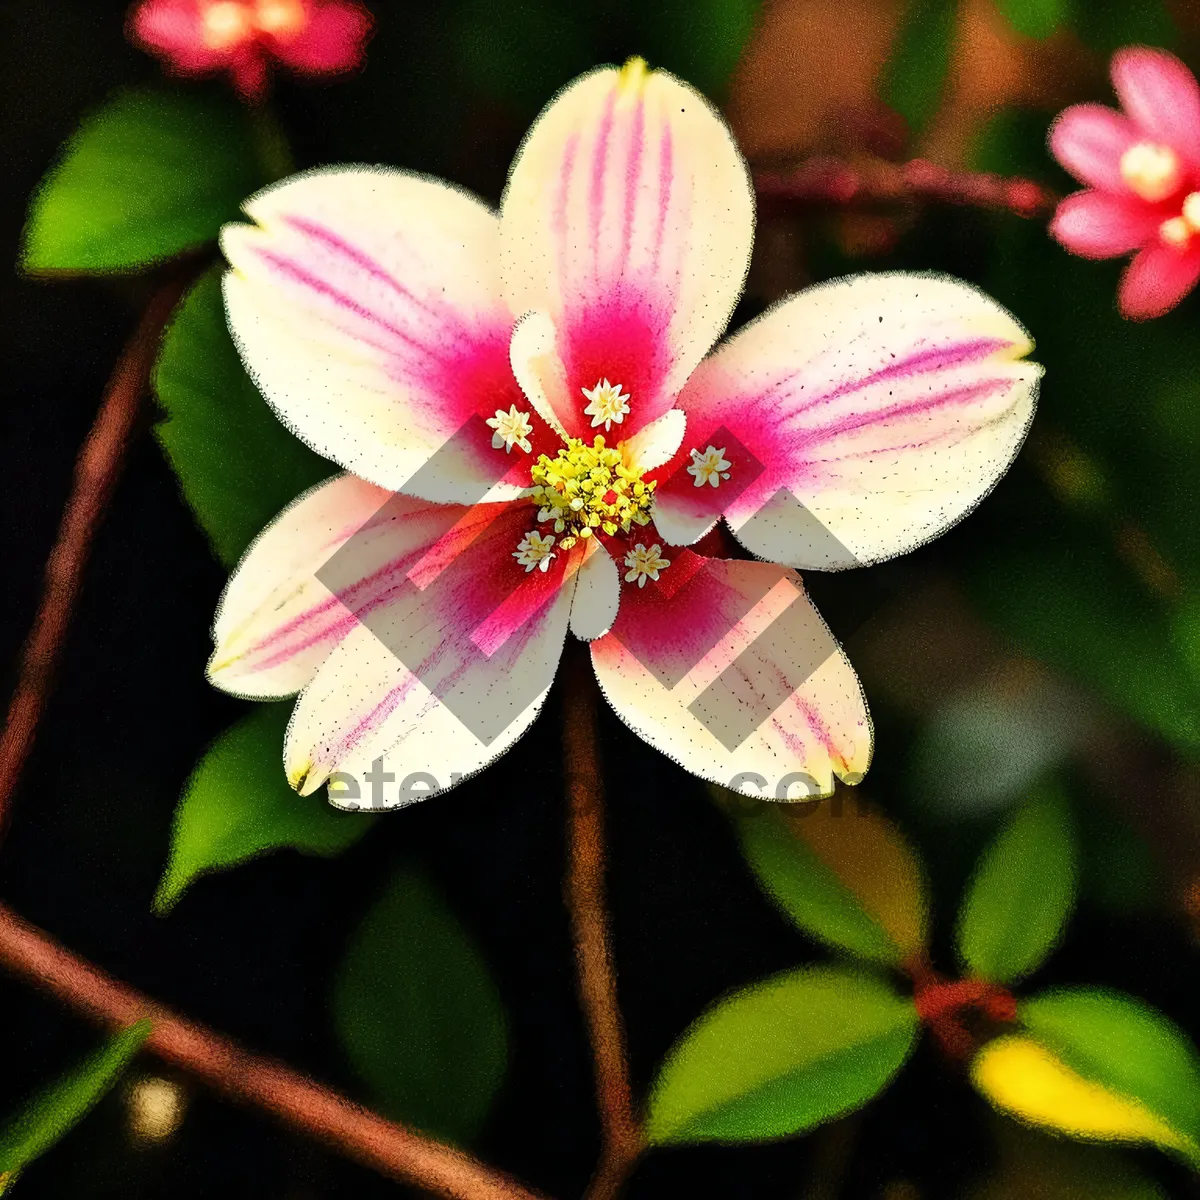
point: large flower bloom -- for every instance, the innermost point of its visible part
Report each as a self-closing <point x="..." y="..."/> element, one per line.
<point x="535" y="431"/>
<point x="1142" y="168"/>
<point x="203" y="37"/>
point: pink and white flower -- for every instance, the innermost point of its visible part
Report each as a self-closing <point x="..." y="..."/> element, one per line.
<point x="204" y="37"/>
<point x="401" y="327"/>
<point x="1142" y="168"/>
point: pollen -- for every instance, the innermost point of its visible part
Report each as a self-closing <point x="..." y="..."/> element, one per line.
<point x="1176" y="232"/>
<point x="1153" y="172"/>
<point x="584" y="489"/>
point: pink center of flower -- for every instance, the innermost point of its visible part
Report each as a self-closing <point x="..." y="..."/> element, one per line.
<point x="1179" y="231"/>
<point x="281" y="18"/>
<point x="226" y="24"/>
<point x="1152" y="172"/>
<point x="230" y="23"/>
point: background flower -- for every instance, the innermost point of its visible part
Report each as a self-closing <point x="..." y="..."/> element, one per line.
<point x="244" y="37"/>
<point x="1143" y="165"/>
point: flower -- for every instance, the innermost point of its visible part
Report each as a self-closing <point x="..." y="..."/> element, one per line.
<point x="396" y="324"/>
<point x="710" y="467"/>
<point x="203" y="37"/>
<point x="1142" y="168"/>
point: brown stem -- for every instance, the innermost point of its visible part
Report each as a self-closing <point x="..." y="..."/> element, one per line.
<point x="823" y="180"/>
<point x="96" y="472"/>
<point x="321" y="1113"/>
<point x="584" y="888"/>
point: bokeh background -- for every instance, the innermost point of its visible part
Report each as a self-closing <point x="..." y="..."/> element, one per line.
<point x="1055" y="632"/>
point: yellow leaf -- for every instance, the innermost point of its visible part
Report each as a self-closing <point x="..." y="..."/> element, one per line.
<point x="871" y="858"/>
<point x="1020" y="1076"/>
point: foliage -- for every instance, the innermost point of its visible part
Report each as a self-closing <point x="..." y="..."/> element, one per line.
<point x="418" y="1013"/>
<point x="780" y="1057"/>
<point x="916" y="71"/>
<point x="238" y="466"/>
<point x="52" y="1113"/>
<point x="147" y="176"/>
<point x="848" y="879"/>
<point x="237" y="805"/>
<point x="1022" y="893"/>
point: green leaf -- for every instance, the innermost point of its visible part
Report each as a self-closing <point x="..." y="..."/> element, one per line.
<point x="49" y="1115"/>
<point x="780" y="1057"/>
<point x="238" y="466"/>
<point x="237" y="804"/>
<point x="915" y="74"/>
<point x="1107" y="25"/>
<point x="1022" y="893"/>
<point x="149" y="175"/>
<point x="419" y="1015"/>
<point x="699" y="40"/>
<point x="1093" y="622"/>
<point x="808" y="889"/>
<point x="1036" y="18"/>
<point x="1126" y="1047"/>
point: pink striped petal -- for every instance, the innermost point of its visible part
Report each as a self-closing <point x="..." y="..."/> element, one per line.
<point x="444" y="678"/>
<point x="1161" y="96"/>
<point x="628" y="220"/>
<point x="735" y="676"/>
<point x="868" y="415"/>
<point x="1101" y="225"/>
<point x="1089" y="139"/>
<point x="366" y="304"/>
<point x="277" y="622"/>
<point x="1157" y="279"/>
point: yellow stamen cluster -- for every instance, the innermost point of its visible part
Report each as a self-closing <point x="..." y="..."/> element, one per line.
<point x="585" y="488"/>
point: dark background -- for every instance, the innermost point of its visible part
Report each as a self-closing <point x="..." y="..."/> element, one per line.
<point x="252" y="951"/>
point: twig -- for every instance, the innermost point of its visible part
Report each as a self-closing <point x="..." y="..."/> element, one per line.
<point x="298" y="1102"/>
<point x="584" y="888"/>
<point x="96" y="471"/>
<point x="823" y="180"/>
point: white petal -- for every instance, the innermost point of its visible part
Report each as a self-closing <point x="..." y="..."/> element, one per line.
<point x="658" y="442"/>
<point x="597" y="594"/>
<point x="727" y="668"/>
<point x="366" y="305"/>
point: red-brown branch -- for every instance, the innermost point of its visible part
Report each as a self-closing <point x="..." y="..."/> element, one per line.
<point x="96" y="472"/>
<point x="823" y="180"/>
<point x="584" y="889"/>
<point x="321" y="1113"/>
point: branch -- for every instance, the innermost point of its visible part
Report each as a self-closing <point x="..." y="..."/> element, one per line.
<point x="584" y="889"/>
<point x="298" y="1102"/>
<point x="823" y="180"/>
<point x="96" y="472"/>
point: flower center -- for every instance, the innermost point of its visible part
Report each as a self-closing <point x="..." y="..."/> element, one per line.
<point x="281" y="18"/>
<point x="1152" y="171"/>
<point x="584" y="488"/>
<point x="226" y="24"/>
<point x="1179" y="231"/>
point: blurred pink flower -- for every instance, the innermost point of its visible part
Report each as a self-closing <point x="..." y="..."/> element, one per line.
<point x="1142" y="168"/>
<point x="203" y="37"/>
